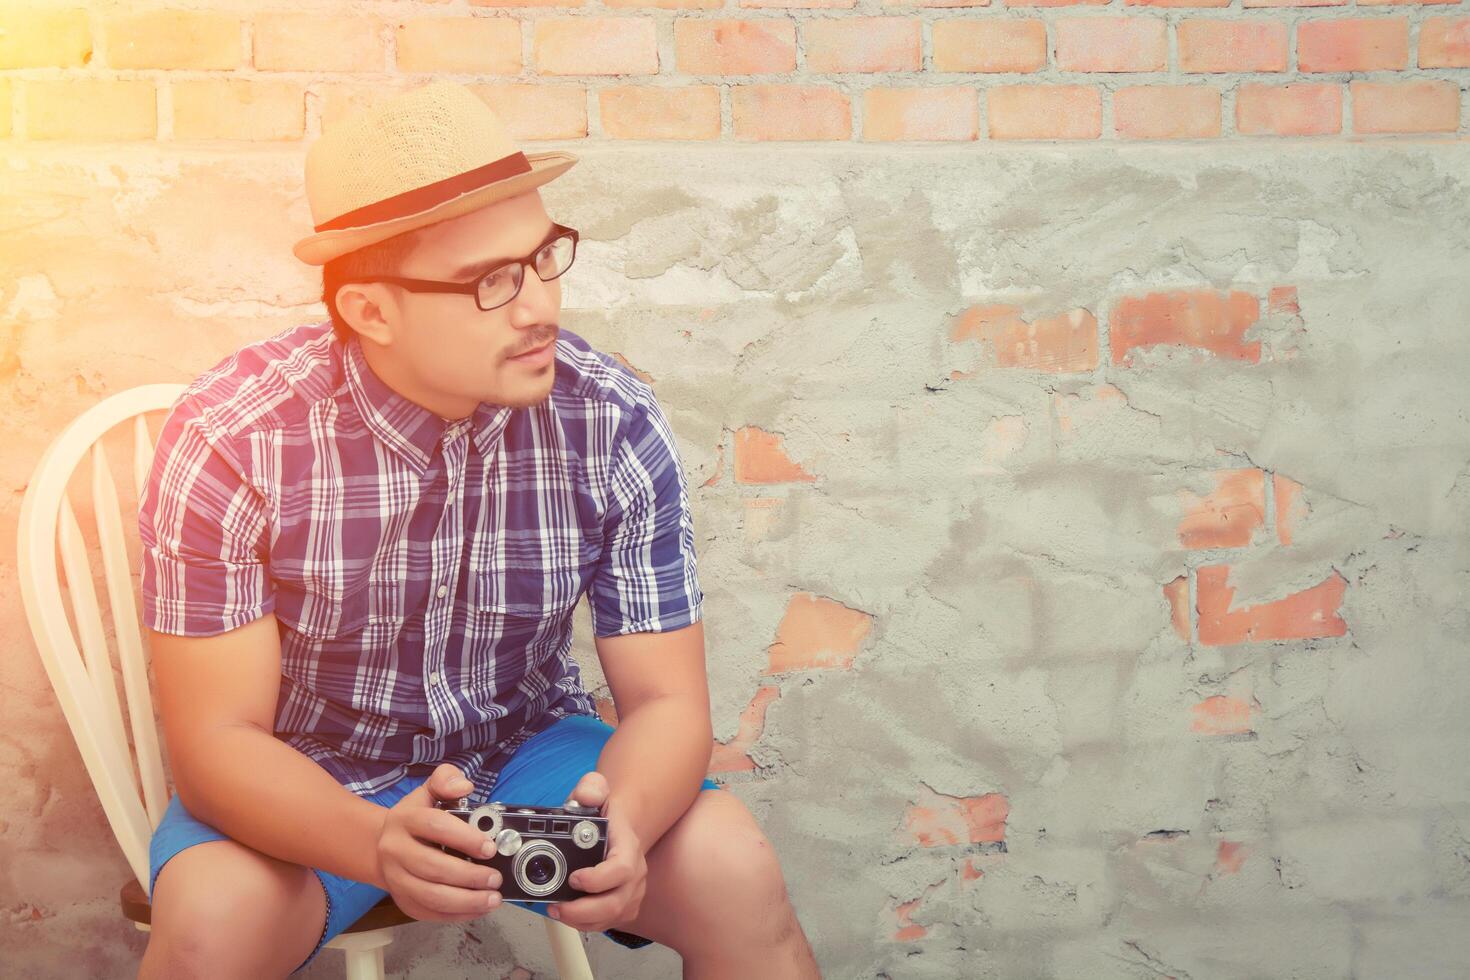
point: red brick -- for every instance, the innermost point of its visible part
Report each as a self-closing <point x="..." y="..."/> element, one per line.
<point x="1177" y="593"/>
<point x="528" y="3"/>
<point x="1229" y="515"/>
<point x="91" y="109"/>
<point x="861" y="44"/>
<point x="936" y="3"/>
<point x="1229" y="857"/>
<point x="1444" y="42"/>
<point x="1204" y="318"/>
<point x="32" y="35"/>
<point x="1111" y="43"/>
<point x="1296" y="109"/>
<point x="1222" y="715"/>
<point x="909" y="930"/>
<point x="1404" y="3"/>
<point x="1044" y="112"/>
<point x="539" y="110"/>
<point x="1421" y="106"/>
<point x="1009" y="44"/>
<point x="1291" y="507"/>
<point x="790" y="112"/>
<point x="310" y="42"/>
<point x="481" y="45"/>
<point x="1249" y="4"/>
<point x="664" y="4"/>
<point x="1062" y="343"/>
<point x="1282" y="299"/>
<point x="595" y="46"/>
<point x="665" y="112"/>
<point x="817" y="632"/>
<point x="942" y="820"/>
<point x="338" y="100"/>
<point x="238" y="109"/>
<point x="808" y="4"/>
<point x="760" y="457"/>
<point x="1307" y="614"/>
<point x="1352" y="44"/>
<point x="1166" y="112"/>
<point x="172" y="39"/>
<point x="929" y="113"/>
<point x="1176" y="3"/>
<point x="1232" y="45"/>
<point x="734" y="47"/>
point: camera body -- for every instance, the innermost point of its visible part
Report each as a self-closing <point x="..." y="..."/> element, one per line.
<point x="536" y="847"/>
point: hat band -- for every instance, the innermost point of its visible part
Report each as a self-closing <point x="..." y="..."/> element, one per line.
<point x="430" y="195"/>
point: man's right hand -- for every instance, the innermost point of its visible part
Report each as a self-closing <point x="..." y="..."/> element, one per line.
<point x="425" y="882"/>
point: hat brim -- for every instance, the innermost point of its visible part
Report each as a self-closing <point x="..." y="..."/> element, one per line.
<point x="323" y="246"/>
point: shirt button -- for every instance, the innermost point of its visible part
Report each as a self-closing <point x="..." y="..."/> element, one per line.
<point x="443" y="591"/>
<point x="433" y="678"/>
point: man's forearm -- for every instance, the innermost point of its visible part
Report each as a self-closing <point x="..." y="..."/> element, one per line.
<point x="654" y="762"/>
<point x="266" y="795"/>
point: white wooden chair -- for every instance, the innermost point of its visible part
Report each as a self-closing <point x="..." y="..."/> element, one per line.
<point x="131" y="784"/>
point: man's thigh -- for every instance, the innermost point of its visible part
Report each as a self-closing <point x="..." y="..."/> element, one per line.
<point x="229" y="910"/>
<point x="185" y="857"/>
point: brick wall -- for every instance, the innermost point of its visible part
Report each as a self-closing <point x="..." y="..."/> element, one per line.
<point x="872" y="70"/>
<point x="1081" y="516"/>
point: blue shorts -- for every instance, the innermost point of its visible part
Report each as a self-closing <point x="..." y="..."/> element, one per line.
<point x="543" y="771"/>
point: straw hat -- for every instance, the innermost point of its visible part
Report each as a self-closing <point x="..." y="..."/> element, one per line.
<point x="421" y="156"/>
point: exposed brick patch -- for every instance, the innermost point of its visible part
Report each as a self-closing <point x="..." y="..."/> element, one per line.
<point x="733" y="756"/>
<point x="1221" y="715"/>
<point x="1291" y="507"/>
<point x="1229" y="857"/>
<point x="643" y="376"/>
<point x="1304" y="615"/>
<point x="817" y="632"/>
<point x="940" y="820"/>
<point x="760" y="457"/>
<point x="1177" y="592"/>
<point x="1205" y="319"/>
<point x="1060" y="343"/>
<point x="1228" y="516"/>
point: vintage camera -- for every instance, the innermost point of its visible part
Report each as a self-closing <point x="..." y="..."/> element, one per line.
<point x="536" y="847"/>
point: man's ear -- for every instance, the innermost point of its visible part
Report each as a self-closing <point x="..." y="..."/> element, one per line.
<point x="367" y="306"/>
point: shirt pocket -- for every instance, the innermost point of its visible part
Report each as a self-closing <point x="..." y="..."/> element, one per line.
<point x="325" y="611"/>
<point x="525" y="596"/>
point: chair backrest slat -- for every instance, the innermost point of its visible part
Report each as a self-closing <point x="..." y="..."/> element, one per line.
<point x="142" y="455"/>
<point x="123" y="602"/>
<point x="78" y="661"/>
<point x="88" y="616"/>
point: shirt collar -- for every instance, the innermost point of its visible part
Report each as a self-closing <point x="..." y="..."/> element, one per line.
<point x="405" y="426"/>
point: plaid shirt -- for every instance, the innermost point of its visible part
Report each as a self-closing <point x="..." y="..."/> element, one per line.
<point x="423" y="573"/>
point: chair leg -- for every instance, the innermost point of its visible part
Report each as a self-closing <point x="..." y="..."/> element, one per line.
<point x="568" y="950"/>
<point x="364" y="952"/>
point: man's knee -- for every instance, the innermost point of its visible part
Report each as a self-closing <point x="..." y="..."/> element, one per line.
<point x="721" y="860"/>
<point x="222" y="909"/>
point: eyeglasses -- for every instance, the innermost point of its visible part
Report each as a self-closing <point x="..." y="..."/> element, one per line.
<point x="503" y="283"/>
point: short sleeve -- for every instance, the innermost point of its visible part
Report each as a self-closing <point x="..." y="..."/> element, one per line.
<point x="203" y="530"/>
<point x="647" y="579"/>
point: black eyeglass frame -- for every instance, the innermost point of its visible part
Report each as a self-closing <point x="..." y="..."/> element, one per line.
<point x="472" y="287"/>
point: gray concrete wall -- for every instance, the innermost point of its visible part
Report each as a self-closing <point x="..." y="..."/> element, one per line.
<point x="1083" y="530"/>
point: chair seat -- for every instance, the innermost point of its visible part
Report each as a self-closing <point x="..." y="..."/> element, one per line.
<point x="135" y="908"/>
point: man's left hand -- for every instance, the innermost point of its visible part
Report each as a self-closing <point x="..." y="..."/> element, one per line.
<point x="616" y="885"/>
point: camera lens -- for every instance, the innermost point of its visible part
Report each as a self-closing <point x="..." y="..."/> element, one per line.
<point x="539" y="868"/>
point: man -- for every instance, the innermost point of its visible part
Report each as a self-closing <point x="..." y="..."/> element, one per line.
<point x="363" y="543"/>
